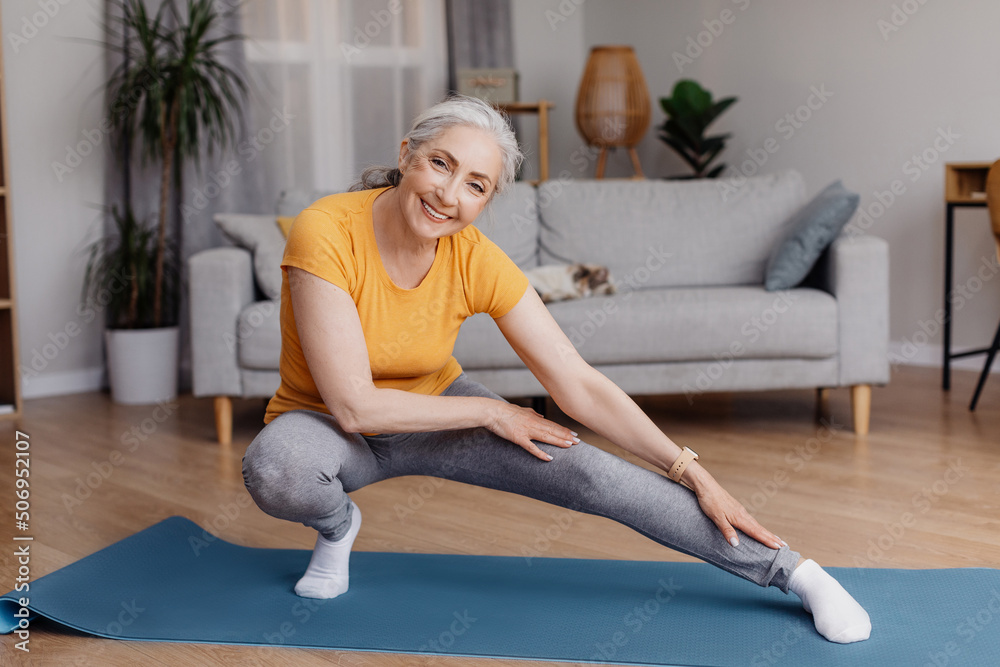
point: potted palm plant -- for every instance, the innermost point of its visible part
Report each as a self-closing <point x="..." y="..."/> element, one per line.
<point x="174" y="93"/>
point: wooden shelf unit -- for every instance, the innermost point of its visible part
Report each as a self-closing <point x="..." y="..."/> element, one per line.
<point x="964" y="187"/>
<point x="10" y="380"/>
<point x="965" y="182"/>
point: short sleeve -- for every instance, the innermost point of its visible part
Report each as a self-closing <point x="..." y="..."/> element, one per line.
<point x="498" y="283"/>
<point x="319" y="244"/>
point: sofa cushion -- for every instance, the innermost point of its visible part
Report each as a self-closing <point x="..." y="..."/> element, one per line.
<point x="481" y="345"/>
<point x="258" y="336"/>
<point x="260" y="235"/>
<point x="676" y="324"/>
<point x="811" y="230"/>
<point x="669" y="233"/>
<point x="511" y="221"/>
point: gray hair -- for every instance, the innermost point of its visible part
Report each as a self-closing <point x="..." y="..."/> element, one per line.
<point x="456" y="110"/>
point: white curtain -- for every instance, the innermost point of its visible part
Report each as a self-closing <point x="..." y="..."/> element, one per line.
<point x="336" y="84"/>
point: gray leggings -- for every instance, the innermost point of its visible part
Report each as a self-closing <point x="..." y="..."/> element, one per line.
<point x="302" y="465"/>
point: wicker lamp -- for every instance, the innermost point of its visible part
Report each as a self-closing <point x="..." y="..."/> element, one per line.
<point x="612" y="105"/>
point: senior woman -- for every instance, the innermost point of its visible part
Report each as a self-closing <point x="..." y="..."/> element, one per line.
<point x="376" y="283"/>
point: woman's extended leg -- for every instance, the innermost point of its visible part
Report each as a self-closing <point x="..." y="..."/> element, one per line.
<point x="588" y="479"/>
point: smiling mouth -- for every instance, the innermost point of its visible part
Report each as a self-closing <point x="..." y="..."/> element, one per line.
<point x="432" y="212"/>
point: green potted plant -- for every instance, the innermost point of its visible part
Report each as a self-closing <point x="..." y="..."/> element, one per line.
<point x="174" y="93"/>
<point x="690" y="110"/>
<point x="120" y="278"/>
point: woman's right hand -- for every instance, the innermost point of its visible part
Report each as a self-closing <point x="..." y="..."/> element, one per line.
<point x="522" y="425"/>
<point x="726" y="512"/>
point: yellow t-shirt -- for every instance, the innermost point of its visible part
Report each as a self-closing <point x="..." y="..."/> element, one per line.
<point x="410" y="333"/>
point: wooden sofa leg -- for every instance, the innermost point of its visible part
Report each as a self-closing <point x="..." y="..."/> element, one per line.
<point x="861" y="407"/>
<point x="224" y="419"/>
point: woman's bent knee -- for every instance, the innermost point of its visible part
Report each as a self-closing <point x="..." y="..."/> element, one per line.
<point x="270" y="466"/>
<point x="261" y="473"/>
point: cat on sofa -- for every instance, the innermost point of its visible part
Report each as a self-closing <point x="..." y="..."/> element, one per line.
<point x="556" y="282"/>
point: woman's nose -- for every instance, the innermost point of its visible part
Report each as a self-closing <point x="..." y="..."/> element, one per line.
<point x="447" y="192"/>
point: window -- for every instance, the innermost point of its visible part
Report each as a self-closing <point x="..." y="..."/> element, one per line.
<point x="337" y="83"/>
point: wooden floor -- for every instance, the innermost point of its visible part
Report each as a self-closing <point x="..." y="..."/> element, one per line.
<point x="838" y="498"/>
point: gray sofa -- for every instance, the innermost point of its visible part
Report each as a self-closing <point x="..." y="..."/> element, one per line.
<point x="690" y="316"/>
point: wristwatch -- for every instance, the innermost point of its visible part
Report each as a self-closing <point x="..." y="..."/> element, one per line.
<point x="677" y="469"/>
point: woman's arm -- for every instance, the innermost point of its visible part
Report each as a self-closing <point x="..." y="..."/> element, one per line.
<point x="589" y="397"/>
<point x="334" y="346"/>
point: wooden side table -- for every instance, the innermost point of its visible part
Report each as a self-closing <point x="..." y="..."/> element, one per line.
<point x="541" y="107"/>
<point x="964" y="187"/>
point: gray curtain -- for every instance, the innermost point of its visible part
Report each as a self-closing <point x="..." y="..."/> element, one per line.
<point x="197" y="193"/>
<point x="479" y="35"/>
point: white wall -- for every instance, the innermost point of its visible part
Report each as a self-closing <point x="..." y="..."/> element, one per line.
<point x="890" y="96"/>
<point x="53" y="88"/>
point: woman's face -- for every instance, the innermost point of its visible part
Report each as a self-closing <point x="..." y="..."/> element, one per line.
<point x="448" y="181"/>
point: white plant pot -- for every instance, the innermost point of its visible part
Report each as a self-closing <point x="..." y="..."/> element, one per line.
<point x="142" y="364"/>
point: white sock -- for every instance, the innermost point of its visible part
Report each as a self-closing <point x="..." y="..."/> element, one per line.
<point x="326" y="576"/>
<point x="836" y="614"/>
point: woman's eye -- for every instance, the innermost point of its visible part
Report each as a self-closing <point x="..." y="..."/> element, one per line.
<point x="478" y="188"/>
<point x="439" y="162"/>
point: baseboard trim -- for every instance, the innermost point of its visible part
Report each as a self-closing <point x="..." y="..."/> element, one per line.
<point x="907" y="354"/>
<point x="58" y="384"/>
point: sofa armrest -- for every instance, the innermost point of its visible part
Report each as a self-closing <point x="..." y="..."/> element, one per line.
<point x="856" y="272"/>
<point x="221" y="281"/>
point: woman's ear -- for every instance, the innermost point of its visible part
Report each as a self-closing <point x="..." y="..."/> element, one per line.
<point x="404" y="154"/>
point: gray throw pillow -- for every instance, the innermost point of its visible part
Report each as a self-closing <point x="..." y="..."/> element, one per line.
<point x="261" y="235"/>
<point x="810" y="231"/>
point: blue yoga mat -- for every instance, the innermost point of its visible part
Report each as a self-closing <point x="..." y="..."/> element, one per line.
<point x="175" y="582"/>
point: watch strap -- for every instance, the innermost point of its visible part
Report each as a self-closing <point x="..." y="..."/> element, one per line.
<point x="680" y="463"/>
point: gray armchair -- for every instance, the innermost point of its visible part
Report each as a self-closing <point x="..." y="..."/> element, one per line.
<point x="235" y="333"/>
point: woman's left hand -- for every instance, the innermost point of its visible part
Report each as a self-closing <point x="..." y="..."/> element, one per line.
<point x="728" y="514"/>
